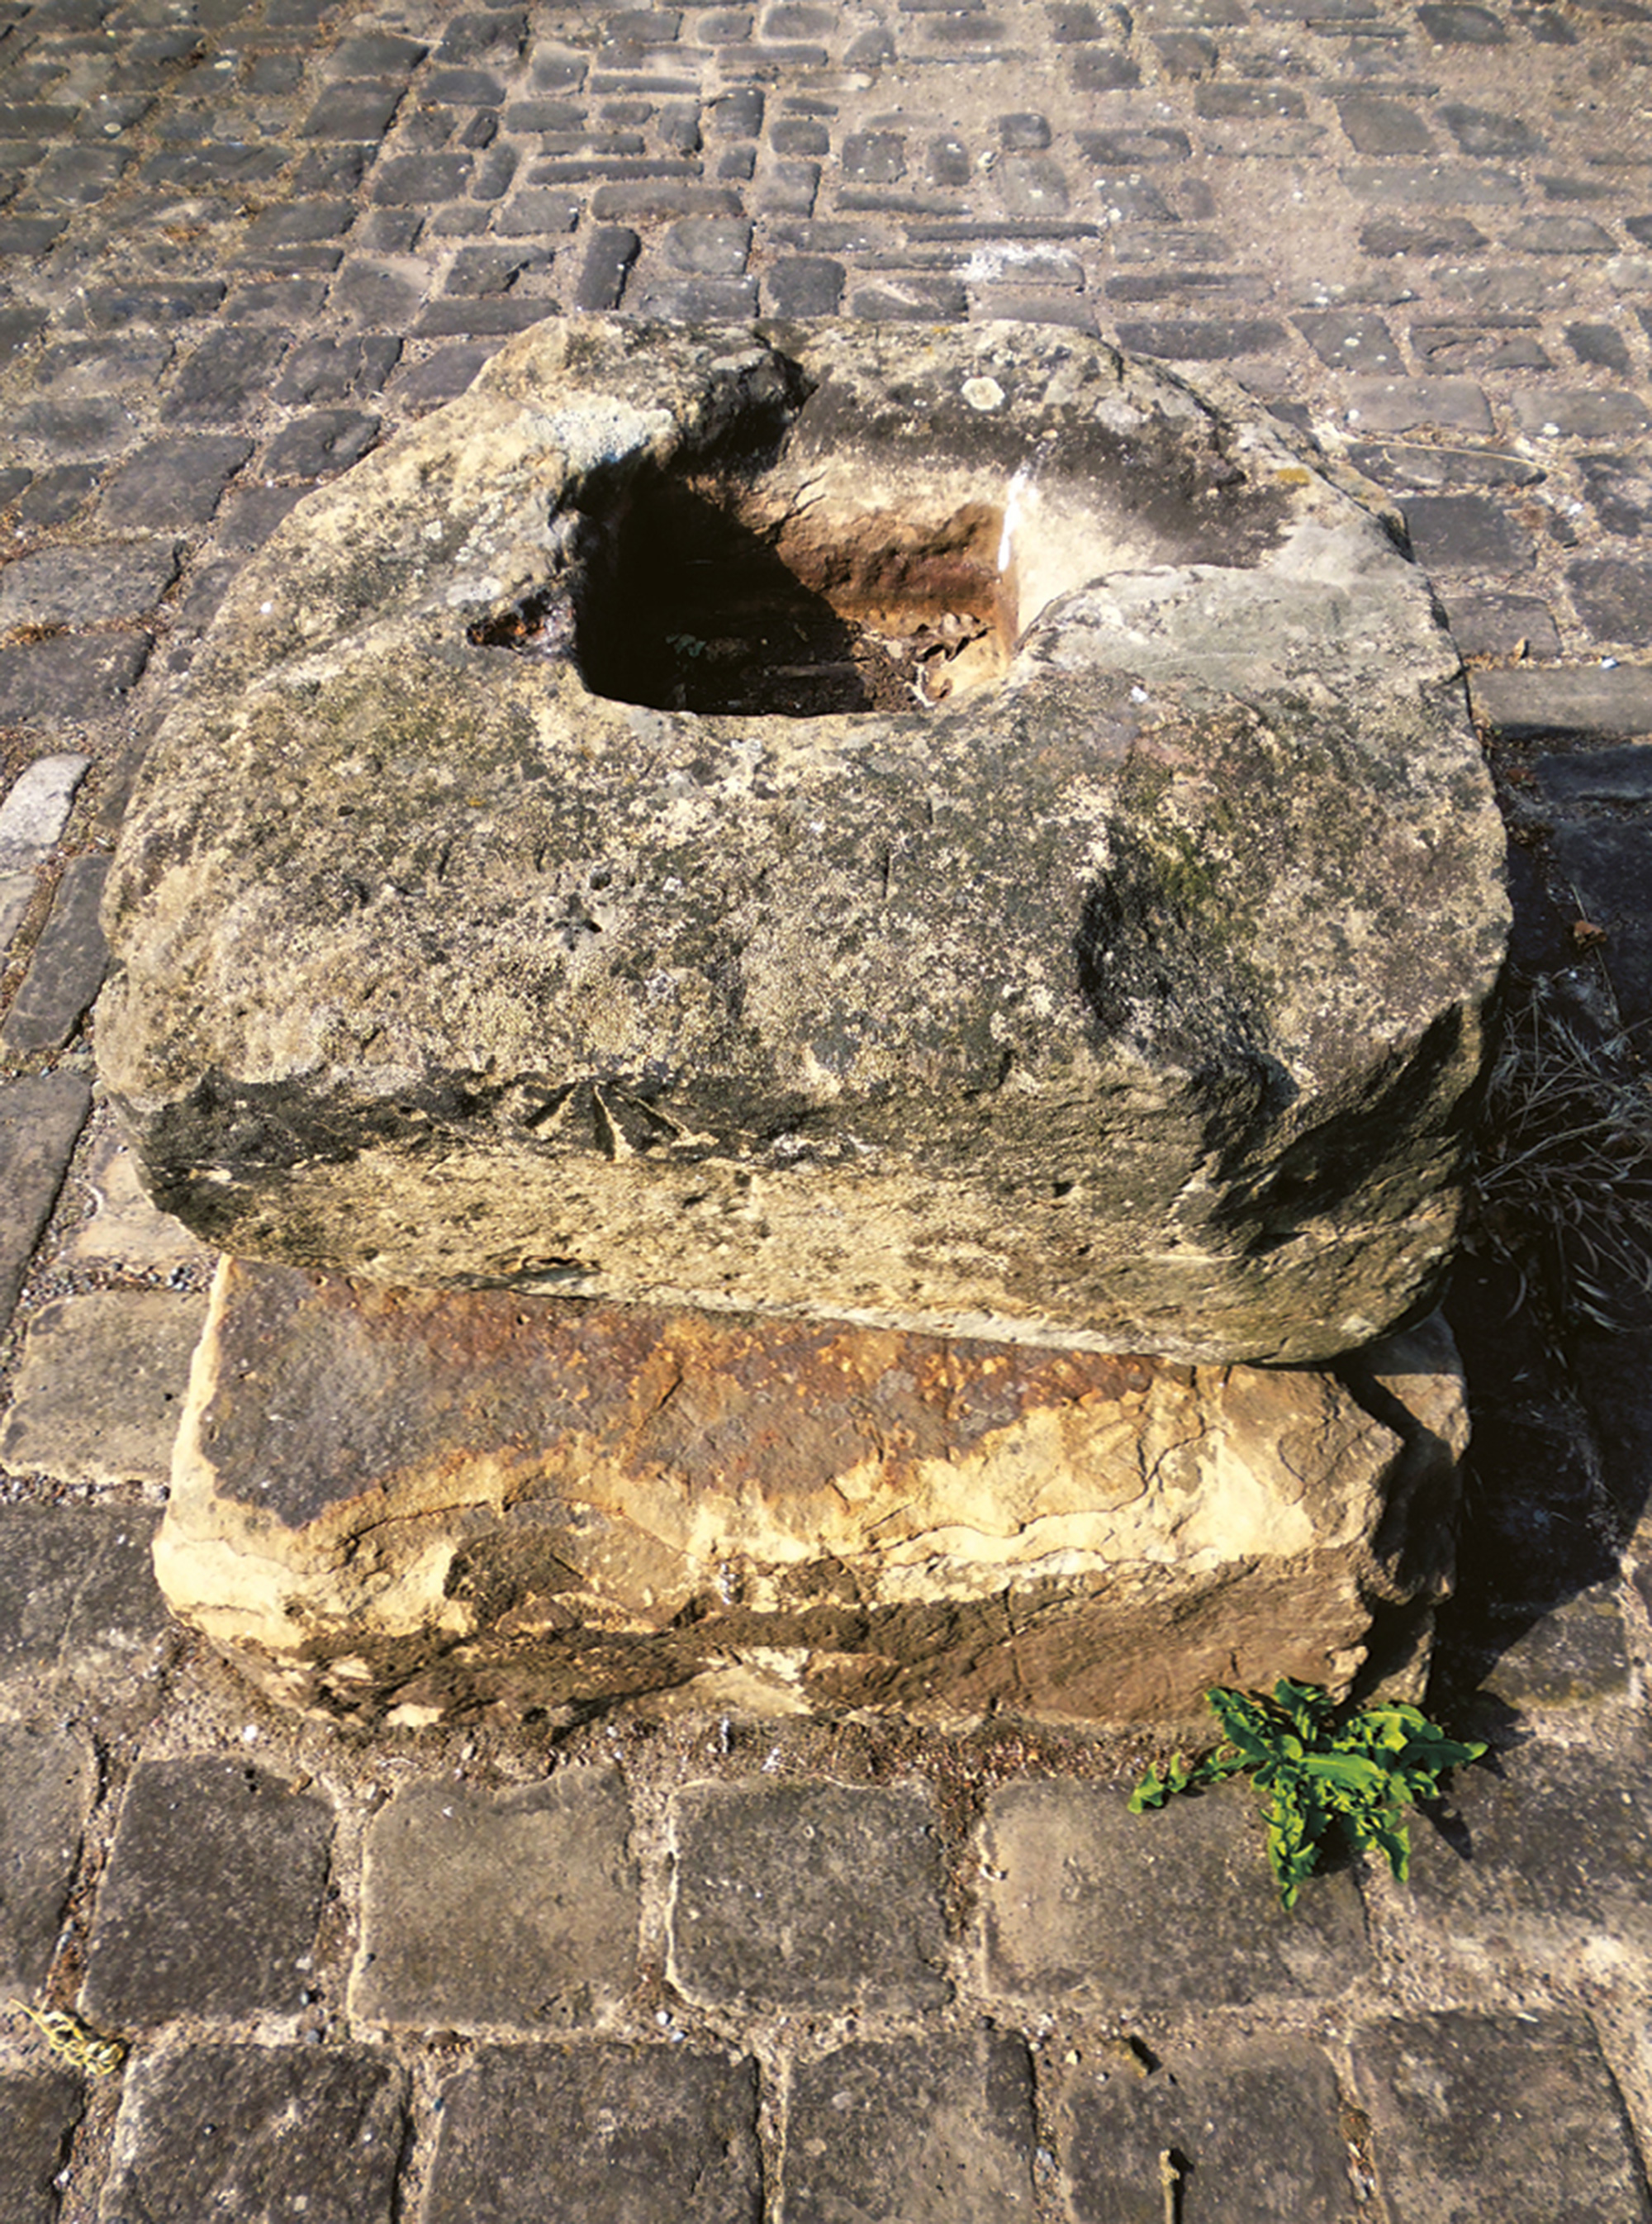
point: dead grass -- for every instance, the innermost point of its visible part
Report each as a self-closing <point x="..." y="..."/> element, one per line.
<point x="1562" y="1163"/>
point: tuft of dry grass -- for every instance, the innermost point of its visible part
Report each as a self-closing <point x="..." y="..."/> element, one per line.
<point x="1562" y="1168"/>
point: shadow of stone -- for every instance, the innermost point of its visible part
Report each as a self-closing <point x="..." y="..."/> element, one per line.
<point x="699" y="613"/>
<point x="1534" y="1620"/>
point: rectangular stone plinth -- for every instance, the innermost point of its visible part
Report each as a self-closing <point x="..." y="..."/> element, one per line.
<point x="414" y="1503"/>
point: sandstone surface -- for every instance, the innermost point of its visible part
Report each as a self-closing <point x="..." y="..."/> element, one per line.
<point x="415" y="1503"/>
<point x="937" y="828"/>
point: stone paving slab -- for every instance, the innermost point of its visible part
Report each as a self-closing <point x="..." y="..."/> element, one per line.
<point x="1255" y="2136"/>
<point x="1576" y="1655"/>
<point x="1082" y="1898"/>
<point x="1609" y="865"/>
<point x="78" y="1602"/>
<point x="597" y="2135"/>
<point x="212" y="1896"/>
<point x="69" y="681"/>
<point x="125" y="1230"/>
<point x="1424" y="234"/>
<point x="16" y="894"/>
<point x="40" y="1119"/>
<point x="805" y="1895"/>
<point x="38" y="2114"/>
<point x="264" y="2135"/>
<point x="1512" y="2116"/>
<point x="942" y="2132"/>
<point x="1534" y="1474"/>
<point x="66" y="968"/>
<point x="78" y="586"/>
<point x="101" y="1385"/>
<point x="37" y="807"/>
<point x="49" y="1780"/>
<point x="521" y="1909"/>
<point x="1548" y="1851"/>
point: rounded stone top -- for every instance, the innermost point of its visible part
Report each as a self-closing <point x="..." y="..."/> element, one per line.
<point x="944" y="827"/>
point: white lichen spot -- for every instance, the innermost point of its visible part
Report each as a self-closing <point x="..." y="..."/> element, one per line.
<point x="983" y="394"/>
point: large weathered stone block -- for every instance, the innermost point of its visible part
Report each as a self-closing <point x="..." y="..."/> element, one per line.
<point x="939" y="829"/>
<point x="430" y="1501"/>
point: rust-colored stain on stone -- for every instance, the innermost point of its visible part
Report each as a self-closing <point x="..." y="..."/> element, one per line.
<point x="777" y="1407"/>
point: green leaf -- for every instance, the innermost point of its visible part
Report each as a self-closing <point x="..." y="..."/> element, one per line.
<point x="1154" y="1790"/>
<point x="1217" y="1767"/>
<point x="1309" y="1707"/>
<point x="1351" y="1772"/>
<point x="1394" y="1840"/>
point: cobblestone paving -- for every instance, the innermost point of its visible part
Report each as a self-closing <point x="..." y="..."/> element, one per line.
<point x="707" y="1969"/>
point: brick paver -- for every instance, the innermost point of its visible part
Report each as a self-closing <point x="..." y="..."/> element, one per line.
<point x="245" y="241"/>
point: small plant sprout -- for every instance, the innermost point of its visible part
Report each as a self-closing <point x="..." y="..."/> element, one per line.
<point x="1323" y="1778"/>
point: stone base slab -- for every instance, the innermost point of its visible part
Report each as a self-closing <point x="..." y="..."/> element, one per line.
<point x="417" y="1503"/>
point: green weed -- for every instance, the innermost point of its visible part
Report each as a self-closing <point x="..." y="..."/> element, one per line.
<point x="1324" y="1779"/>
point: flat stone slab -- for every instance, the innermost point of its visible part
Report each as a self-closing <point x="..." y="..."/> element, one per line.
<point x="937" y="2130"/>
<point x="1113" y="986"/>
<point x="16" y="894"/>
<point x="36" y="809"/>
<point x="1516" y="2117"/>
<point x="1576" y="1655"/>
<point x="82" y="587"/>
<point x="1614" y="1374"/>
<point x="597" y="2135"/>
<point x="69" y="679"/>
<point x="1527" y="704"/>
<point x="1255" y="2135"/>
<point x="211" y="1897"/>
<point x="49" y="1780"/>
<point x="38" y="2115"/>
<point x="125" y="1230"/>
<point x="519" y="1908"/>
<point x="264" y="2135"/>
<point x="1621" y="775"/>
<point x="100" y="1391"/>
<point x="808" y="1896"/>
<point x="415" y="1502"/>
<point x="1609" y="863"/>
<point x="78" y="1598"/>
<point x="40" y="1120"/>
<point x="1547" y="1852"/>
<point x="67" y="969"/>
<point x="1177" y="1909"/>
